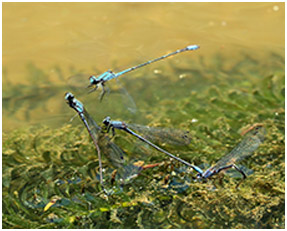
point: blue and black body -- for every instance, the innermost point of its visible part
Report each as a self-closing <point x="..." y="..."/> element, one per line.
<point x="103" y="144"/>
<point x="123" y="126"/>
<point x="100" y="80"/>
<point x="245" y="148"/>
<point x="89" y="123"/>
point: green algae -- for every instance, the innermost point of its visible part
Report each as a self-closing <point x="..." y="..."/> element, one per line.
<point x="215" y="102"/>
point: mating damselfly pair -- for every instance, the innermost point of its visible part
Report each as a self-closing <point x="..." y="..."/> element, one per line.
<point x="116" y="156"/>
<point x="127" y="171"/>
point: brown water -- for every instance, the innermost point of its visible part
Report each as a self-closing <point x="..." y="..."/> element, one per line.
<point x="102" y="36"/>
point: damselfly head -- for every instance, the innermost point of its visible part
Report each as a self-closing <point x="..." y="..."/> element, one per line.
<point x="107" y="121"/>
<point x="93" y="81"/>
<point x="74" y="103"/>
<point x="69" y="96"/>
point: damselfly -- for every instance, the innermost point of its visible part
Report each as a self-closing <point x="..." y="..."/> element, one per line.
<point x="96" y="81"/>
<point x="123" y="126"/>
<point x="253" y="138"/>
<point x="103" y="144"/>
<point x="89" y="123"/>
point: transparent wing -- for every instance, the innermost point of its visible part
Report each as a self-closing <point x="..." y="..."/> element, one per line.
<point x="112" y="152"/>
<point x="128" y="101"/>
<point x="128" y="173"/>
<point x="116" y="96"/>
<point x="245" y="148"/>
<point x="79" y="81"/>
<point x="163" y="135"/>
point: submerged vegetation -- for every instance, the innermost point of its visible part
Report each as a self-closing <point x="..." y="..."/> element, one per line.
<point x="214" y="102"/>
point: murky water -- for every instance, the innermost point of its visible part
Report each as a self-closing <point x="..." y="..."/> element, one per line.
<point x="234" y="80"/>
<point x="48" y="42"/>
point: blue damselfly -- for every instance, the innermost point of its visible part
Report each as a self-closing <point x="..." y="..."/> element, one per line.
<point x="125" y="127"/>
<point x="100" y="80"/>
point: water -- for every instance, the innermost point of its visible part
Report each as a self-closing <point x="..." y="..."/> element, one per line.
<point x="236" y="79"/>
<point x="92" y="42"/>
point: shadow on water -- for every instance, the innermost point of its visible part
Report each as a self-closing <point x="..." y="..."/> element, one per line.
<point x="213" y="100"/>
